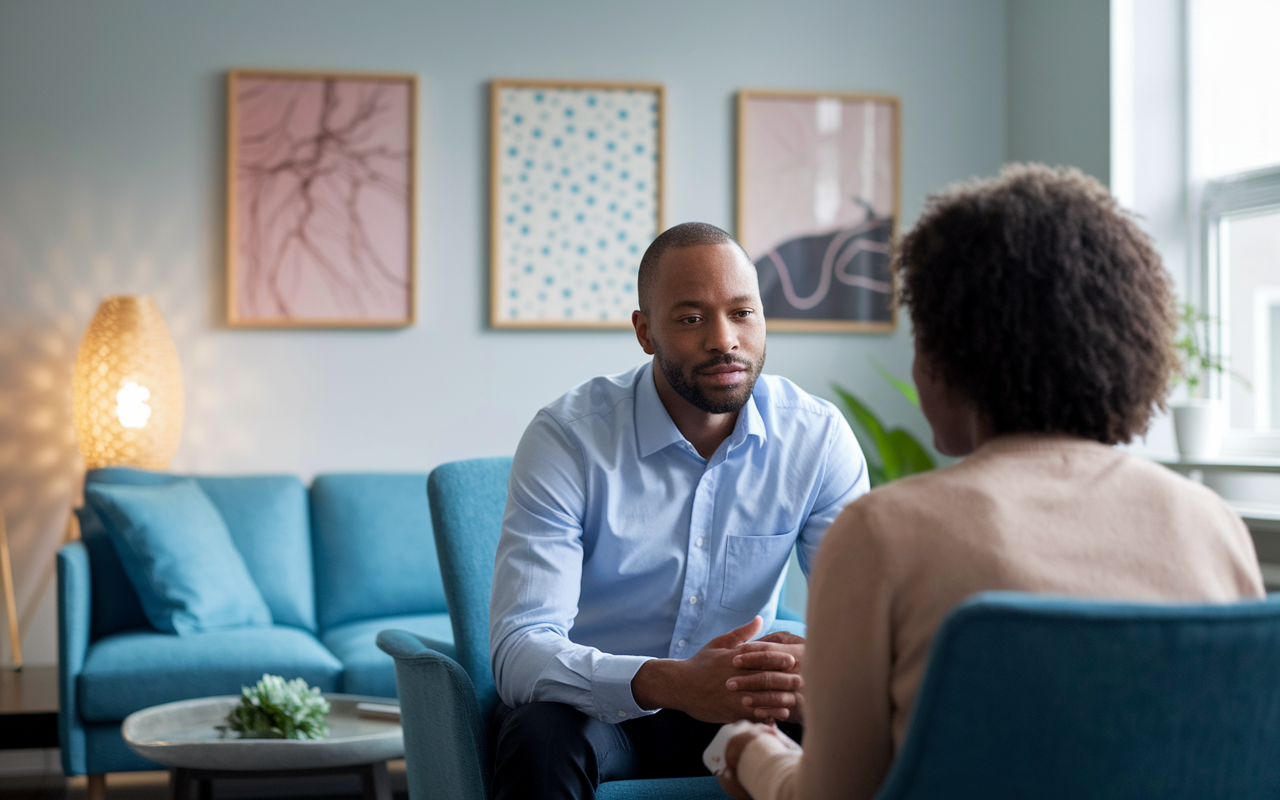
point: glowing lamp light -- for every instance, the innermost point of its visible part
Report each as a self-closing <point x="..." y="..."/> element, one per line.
<point x="131" y="405"/>
<point x="127" y="389"/>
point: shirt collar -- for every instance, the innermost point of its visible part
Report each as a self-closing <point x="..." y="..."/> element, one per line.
<point x="655" y="429"/>
<point x="750" y="421"/>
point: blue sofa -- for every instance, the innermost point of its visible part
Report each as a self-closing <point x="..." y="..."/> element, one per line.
<point x="336" y="564"/>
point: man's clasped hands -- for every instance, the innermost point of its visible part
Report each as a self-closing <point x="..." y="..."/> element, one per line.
<point x="731" y="678"/>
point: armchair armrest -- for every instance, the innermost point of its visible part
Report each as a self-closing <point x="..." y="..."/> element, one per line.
<point x="74" y="620"/>
<point x="787" y="615"/>
<point x="445" y="740"/>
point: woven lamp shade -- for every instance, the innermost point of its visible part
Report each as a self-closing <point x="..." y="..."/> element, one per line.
<point x="127" y="389"/>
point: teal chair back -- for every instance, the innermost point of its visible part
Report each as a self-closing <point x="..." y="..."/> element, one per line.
<point x="1033" y="696"/>
<point x="468" y="499"/>
<point x="446" y="705"/>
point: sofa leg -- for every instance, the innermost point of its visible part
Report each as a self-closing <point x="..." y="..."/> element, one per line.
<point x="97" y="787"/>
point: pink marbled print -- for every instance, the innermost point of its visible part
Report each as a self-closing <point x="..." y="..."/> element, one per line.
<point x="322" y="190"/>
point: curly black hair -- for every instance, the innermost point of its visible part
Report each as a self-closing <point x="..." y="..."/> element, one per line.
<point x="1036" y="297"/>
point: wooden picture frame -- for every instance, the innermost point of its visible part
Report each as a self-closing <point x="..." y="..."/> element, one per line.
<point x="805" y="160"/>
<point x="321" y="199"/>
<point x="576" y="195"/>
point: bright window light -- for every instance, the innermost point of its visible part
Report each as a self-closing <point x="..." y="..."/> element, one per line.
<point x="1235" y="86"/>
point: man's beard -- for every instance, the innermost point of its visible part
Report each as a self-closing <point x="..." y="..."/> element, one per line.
<point x="686" y="387"/>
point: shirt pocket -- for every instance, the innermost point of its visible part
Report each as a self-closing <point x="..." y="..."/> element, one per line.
<point x="753" y="567"/>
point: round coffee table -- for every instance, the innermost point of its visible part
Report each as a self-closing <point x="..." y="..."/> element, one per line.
<point x="184" y="737"/>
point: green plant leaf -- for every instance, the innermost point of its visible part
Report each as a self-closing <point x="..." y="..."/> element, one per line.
<point x="280" y="709"/>
<point x="907" y="389"/>
<point x="875" y="475"/>
<point x="884" y="450"/>
<point x="1196" y="359"/>
<point x="911" y="454"/>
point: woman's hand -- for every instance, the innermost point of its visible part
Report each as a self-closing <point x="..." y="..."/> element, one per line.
<point x="733" y="754"/>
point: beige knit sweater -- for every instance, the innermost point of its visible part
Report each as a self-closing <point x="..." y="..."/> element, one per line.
<point x="1048" y="514"/>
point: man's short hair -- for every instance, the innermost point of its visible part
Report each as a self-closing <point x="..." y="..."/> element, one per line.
<point x="1037" y="298"/>
<point x="686" y="234"/>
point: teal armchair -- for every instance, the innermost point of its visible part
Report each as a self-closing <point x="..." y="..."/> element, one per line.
<point x="446" y="705"/>
<point x="1056" y="699"/>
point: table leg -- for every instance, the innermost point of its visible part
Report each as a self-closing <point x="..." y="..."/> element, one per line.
<point x="204" y="789"/>
<point x="374" y="781"/>
<point x="180" y="784"/>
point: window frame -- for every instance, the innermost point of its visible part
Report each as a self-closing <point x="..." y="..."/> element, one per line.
<point x="1244" y="194"/>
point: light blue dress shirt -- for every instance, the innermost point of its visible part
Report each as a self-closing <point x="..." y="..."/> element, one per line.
<point x="620" y="543"/>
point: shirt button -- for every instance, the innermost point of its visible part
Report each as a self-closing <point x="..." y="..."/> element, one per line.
<point x="700" y="541"/>
<point x="622" y="713"/>
<point x="680" y="643"/>
<point x="693" y="601"/>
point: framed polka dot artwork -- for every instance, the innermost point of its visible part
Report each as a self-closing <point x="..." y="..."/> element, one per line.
<point x="576" y="197"/>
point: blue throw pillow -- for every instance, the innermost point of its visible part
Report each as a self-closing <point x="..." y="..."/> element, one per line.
<point x="179" y="556"/>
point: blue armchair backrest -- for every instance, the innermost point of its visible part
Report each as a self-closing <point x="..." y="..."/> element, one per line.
<point x="468" y="499"/>
<point x="373" y="548"/>
<point x="1030" y="696"/>
<point x="268" y="520"/>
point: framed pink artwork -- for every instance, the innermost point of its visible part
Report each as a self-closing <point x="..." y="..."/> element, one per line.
<point x="818" y="205"/>
<point x="320" y="199"/>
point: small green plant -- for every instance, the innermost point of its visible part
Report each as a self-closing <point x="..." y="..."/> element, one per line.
<point x="280" y="709"/>
<point x="1195" y="359"/>
<point x="897" y="453"/>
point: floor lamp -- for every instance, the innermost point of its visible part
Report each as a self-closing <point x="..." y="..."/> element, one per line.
<point x="126" y="398"/>
<point x="10" y="604"/>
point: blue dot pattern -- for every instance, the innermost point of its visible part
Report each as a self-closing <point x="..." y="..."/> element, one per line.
<point x="577" y="202"/>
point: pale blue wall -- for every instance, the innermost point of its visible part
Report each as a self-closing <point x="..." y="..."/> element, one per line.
<point x="1059" y="84"/>
<point x="111" y="118"/>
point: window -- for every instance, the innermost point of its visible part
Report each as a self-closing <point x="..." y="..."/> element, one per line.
<point x="1241" y="244"/>
<point x="1234" y="80"/>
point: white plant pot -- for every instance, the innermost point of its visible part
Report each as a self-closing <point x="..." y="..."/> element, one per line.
<point x="1200" y="426"/>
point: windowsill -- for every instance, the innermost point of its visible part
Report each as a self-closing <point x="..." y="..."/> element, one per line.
<point x="1246" y="484"/>
<point x="1224" y="463"/>
<point x="1260" y="516"/>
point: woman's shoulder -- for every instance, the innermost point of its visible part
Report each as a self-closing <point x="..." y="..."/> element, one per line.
<point x="1010" y="472"/>
<point x="918" y="502"/>
<point x="1164" y="487"/>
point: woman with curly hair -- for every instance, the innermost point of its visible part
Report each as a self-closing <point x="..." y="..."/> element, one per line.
<point x="1044" y="327"/>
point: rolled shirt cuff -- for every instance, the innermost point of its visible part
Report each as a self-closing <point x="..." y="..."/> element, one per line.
<point x="611" y="687"/>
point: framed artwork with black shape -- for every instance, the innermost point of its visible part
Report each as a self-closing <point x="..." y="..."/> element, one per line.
<point x="818" y="194"/>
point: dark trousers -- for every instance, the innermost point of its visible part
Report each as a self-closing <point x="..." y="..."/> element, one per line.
<point x="554" y="751"/>
<point x="550" y="750"/>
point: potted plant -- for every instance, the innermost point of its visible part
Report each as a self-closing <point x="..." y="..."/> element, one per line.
<point x="1199" y="421"/>
<point x="892" y="454"/>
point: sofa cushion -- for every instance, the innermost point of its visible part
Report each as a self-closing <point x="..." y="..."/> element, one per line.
<point x="114" y="601"/>
<point x="269" y="521"/>
<point x="374" y="550"/>
<point x="179" y="556"/>
<point x="368" y="670"/>
<point x="129" y="671"/>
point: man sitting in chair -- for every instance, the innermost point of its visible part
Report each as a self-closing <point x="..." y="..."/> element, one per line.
<point x="649" y="520"/>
